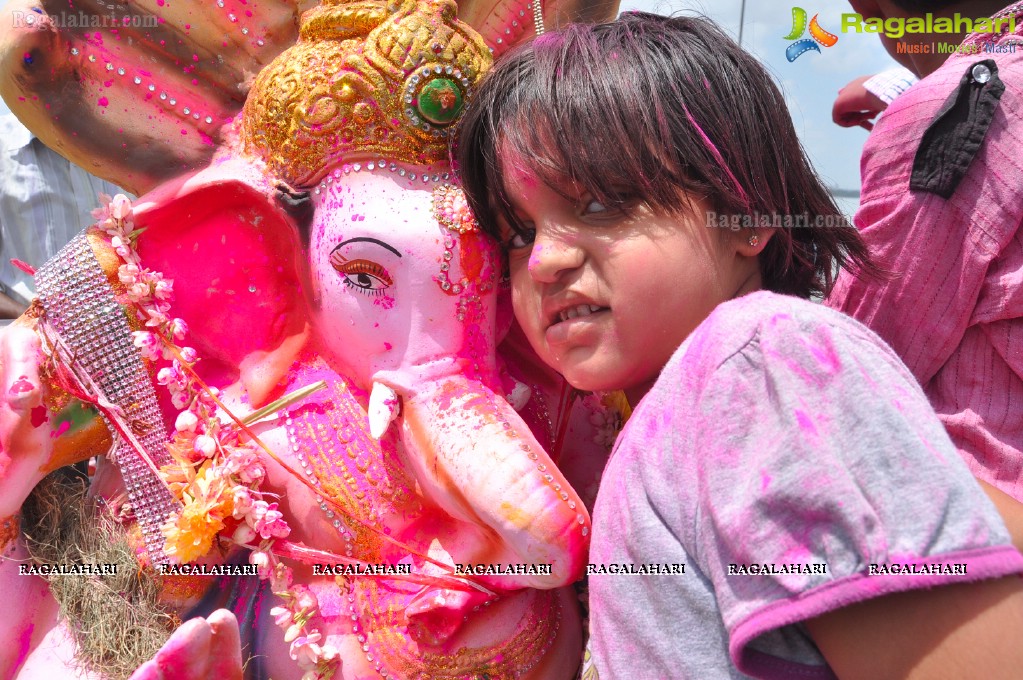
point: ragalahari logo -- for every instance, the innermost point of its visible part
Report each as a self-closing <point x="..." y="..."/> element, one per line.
<point x="818" y="35"/>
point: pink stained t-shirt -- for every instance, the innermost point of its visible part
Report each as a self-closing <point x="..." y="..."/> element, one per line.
<point x="953" y="309"/>
<point x="784" y="465"/>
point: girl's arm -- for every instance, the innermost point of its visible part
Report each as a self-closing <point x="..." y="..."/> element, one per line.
<point x="968" y="630"/>
<point x="1011" y="511"/>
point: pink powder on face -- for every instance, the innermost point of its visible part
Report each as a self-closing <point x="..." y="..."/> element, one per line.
<point x="385" y="301"/>
<point x="534" y="257"/>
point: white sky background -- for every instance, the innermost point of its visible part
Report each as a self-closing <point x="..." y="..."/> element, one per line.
<point x="809" y="84"/>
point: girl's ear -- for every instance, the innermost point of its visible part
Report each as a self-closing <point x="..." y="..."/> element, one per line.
<point x="751" y="242"/>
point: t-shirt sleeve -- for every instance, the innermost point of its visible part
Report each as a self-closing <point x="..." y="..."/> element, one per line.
<point x="823" y="478"/>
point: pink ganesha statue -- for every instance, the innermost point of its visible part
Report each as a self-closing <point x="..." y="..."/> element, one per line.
<point x="299" y="348"/>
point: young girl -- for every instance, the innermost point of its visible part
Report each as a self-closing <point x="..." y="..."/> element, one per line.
<point x="664" y="232"/>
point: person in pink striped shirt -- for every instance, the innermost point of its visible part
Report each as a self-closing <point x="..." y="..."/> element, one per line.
<point x="941" y="208"/>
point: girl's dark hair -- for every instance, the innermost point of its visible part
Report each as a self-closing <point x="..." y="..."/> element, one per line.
<point x="654" y="108"/>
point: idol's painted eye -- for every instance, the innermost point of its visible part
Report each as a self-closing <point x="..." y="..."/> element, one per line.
<point x="364" y="276"/>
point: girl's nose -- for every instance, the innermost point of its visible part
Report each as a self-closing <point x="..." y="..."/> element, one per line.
<point x="552" y="257"/>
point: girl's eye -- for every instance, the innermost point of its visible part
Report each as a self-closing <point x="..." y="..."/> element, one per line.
<point x="364" y="276"/>
<point x="593" y="207"/>
<point x="522" y="239"/>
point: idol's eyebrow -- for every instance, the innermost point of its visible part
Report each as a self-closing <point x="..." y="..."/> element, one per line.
<point x="368" y="239"/>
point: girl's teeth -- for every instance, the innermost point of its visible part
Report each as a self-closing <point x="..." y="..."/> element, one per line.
<point x="581" y="310"/>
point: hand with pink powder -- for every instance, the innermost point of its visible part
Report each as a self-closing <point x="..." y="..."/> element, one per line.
<point x="25" y="422"/>
<point x="200" y="649"/>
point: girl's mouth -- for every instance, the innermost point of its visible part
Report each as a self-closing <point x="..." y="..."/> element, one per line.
<point x="578" y="311"/>
<point x="570" y="322"/>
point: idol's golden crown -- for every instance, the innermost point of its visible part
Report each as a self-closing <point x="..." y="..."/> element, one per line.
<point x="365" y="77"/>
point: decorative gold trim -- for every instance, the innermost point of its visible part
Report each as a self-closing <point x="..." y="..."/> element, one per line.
<point x="352" y="86"/>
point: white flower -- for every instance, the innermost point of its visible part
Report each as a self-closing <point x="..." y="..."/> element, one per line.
<point x="294" y="630"/>
<point x="179" y="399"/>
<point x="138" y="291"/>
<point x="243" y="503"/>
<point x="244" y="534"/>
<point x="304" y="649"/>
<point x="262" y="562"/>
<point x="246" y="465"/>
<point x="305" y="601"/>
<point x="282" y="616"/>
<point x="170" y="376"/>
<point x="128" y="274"/>
<point x="103" y="211"/>
<point x="269" y="521"/>
<point x="205" y="445"/>
<point x="148" y="343"/>
<point x="186" y="422"/>
<point x="120" y="207"/>
<point x="156" y="317"/>
<point x="163" y="288"/>
<point x="178" y="329"/>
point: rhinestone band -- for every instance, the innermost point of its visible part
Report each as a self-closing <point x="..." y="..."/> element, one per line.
<point x="83" y="312"/>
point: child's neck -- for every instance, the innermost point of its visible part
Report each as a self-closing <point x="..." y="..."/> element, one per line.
<point x="634" y="394"/>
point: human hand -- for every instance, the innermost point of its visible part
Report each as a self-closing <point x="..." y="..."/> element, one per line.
<point x="199" y="650"/>
<point x="25" y="423"/>
<point x="856" y="106"/>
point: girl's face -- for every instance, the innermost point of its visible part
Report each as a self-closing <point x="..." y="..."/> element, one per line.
<point x="607" y="296"/>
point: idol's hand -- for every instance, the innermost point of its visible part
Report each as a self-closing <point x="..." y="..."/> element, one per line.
<point x="199" y="650"/>
<point x="25" y="423"/>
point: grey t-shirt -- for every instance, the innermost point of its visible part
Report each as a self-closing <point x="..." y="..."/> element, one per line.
<point x="790" y="461"/>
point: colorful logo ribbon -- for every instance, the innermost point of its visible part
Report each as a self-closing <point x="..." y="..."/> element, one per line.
<point x="818" y="35"/>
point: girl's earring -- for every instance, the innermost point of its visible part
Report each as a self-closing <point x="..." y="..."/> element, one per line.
<point x="754" y="241"/>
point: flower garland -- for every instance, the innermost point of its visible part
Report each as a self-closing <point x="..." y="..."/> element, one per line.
<point x="214" y="472"/>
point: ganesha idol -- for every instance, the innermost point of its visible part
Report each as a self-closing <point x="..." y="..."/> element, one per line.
<point x="296" y="342"/>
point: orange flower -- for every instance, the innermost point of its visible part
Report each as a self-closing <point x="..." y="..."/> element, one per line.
<point x="190" y="535"/>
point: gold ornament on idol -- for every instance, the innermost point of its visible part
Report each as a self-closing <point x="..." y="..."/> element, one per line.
<point x="366" y="77"/>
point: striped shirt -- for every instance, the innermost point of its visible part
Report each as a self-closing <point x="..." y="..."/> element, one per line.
<point x="44" y="201"/>
<point x="954" y="308"/>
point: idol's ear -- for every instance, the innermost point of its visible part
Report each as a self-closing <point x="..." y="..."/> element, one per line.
<point x="141" y="92"/>
<point x="233" y="252"/>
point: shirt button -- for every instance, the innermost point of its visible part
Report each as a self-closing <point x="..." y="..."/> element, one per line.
<point x="981" y="74"/>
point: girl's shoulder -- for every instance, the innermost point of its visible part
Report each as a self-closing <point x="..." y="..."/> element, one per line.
<point x="775" y="327"/>
<point x="763" y="312"/>
<point x="793" y="343"/>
